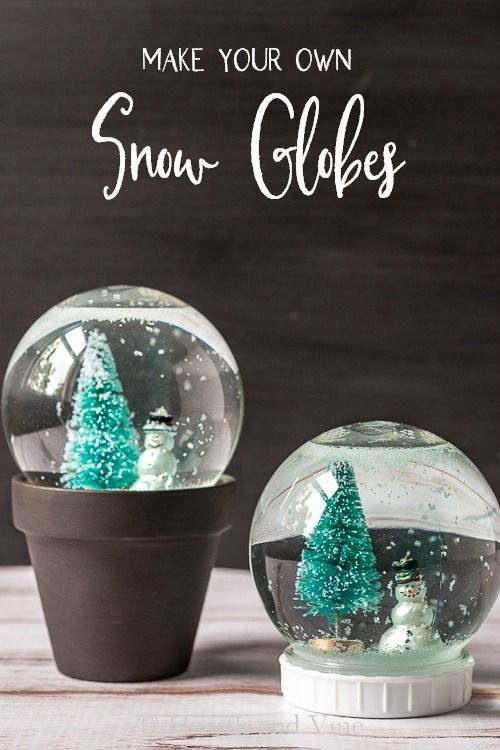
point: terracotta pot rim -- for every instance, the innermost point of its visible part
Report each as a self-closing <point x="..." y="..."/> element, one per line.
<point x="46" y="511"/>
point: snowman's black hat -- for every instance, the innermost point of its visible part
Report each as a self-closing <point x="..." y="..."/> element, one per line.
<point x="406" y="569"/>
<point x="159" y="419"/>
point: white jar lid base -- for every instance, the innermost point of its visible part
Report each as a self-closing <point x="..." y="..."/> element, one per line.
<point x="379" y="697"/>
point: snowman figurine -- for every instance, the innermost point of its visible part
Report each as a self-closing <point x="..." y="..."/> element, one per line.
<point x="157" y="464"/>
<point x="412" y="616"/>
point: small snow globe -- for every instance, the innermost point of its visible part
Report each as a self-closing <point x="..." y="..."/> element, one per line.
<point x="122" y="387"/>
<point x="375" y="548"/>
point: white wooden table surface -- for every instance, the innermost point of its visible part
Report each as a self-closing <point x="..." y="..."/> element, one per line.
<point x="229" y="698"/>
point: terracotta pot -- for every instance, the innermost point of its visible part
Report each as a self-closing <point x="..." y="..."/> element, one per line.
<point x="122" y="575"/>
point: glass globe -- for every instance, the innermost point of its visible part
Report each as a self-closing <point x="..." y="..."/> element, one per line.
<point x="375" y="549"/>
<point x="122" y="387"/>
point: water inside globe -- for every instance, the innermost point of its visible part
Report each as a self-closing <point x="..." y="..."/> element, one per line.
<point x="162" y="353"/>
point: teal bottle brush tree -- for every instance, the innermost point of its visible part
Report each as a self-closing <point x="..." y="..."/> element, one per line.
<point x="102" y="447"/>
<point x="337" y="573"/>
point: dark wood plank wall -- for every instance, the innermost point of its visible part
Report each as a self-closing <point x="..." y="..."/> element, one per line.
<point x="337" y="311"/>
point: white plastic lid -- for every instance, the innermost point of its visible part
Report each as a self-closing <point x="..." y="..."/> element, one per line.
<point x="378" y="697"/>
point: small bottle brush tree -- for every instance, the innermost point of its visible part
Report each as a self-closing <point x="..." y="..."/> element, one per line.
<point x="337" y="573"/>
<point x="102" y="447"/>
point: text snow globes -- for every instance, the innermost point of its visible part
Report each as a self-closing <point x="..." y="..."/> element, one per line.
<point x="375" y="549"/>
<point x="122" y="407"/>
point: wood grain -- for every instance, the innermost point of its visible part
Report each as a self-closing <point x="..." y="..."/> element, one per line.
<point x="229" y="698"/>
<point x="336" y="311"/>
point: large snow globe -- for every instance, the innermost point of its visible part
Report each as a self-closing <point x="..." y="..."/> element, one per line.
<point x="375" y="549"/>
<point x="122" y="407"/>
<point x="122" y="388"/>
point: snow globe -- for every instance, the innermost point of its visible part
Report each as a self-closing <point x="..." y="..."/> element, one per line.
<point x="122" y="407"/>
<point x="86" y="386"/>
<point x="375" y="548"/>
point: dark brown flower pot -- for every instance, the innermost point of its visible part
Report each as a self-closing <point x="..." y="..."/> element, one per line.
<point x="122" y="575"/>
